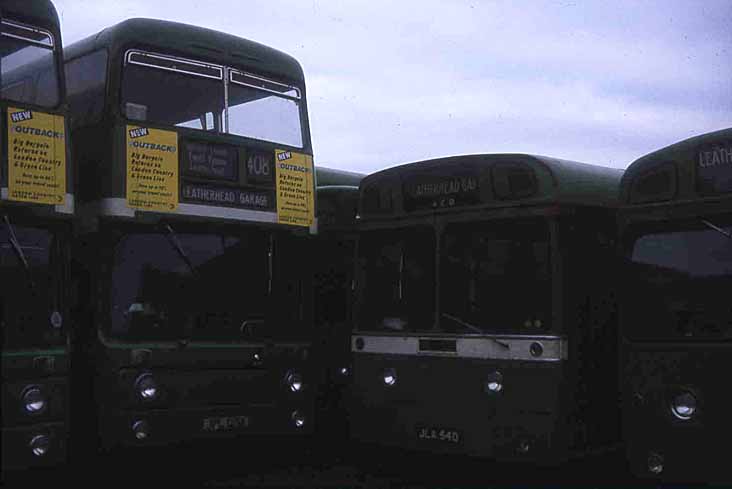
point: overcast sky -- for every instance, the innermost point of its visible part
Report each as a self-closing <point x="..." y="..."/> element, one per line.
<point x="390" y="82"/>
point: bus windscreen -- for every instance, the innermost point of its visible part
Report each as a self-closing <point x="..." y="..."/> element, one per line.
<point x="495" y="278"/>
<point x="28" y="72"/>
<point x="678" y="281"/>
<point x="397" y="273"/>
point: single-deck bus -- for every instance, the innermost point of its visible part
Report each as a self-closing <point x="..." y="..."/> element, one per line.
<point x="36" y="206"/>
<point x="196" y="200"/>
<point x="337" y="198"/>
<point x="484" y="323"/>
<point x="675" y="313"/>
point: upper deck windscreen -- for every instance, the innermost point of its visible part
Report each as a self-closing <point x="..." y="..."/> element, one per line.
<point x="198" y="95"/>
<point x="28" y="72"/>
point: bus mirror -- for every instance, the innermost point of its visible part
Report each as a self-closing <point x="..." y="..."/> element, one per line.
<point x="135" y="112"/>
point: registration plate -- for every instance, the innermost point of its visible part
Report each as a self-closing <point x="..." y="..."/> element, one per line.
<point x="224" y="423"/>
<point x="432" y="433"/>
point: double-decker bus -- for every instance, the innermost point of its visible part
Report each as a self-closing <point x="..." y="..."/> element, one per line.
<point x="675" y="314"/>
<point x="337" y="203"/>
<point x="484" y="323"/>
<point x="36" y="206"/>
<point x="196" y="192"/>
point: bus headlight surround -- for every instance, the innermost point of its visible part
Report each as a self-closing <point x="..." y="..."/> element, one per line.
<point x="294" y="381"/>
<point x="655" y="463"/>
<point x="390" y="377"/>
<point x="298" y="419"/>
<point x="684" y="406"/>
<point x="40" y="445"/>
<point x="34" y="401"/>
<point x="146" y="387"/>
<point x="141" y="429"/>
<point x="494" y="382"/>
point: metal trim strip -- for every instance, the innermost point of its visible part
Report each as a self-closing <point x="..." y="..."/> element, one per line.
<point x="483" y="347"/>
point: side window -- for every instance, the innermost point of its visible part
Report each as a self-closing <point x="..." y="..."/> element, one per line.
<point x="86" y="81"/>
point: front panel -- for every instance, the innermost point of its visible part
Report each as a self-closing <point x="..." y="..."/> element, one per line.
<point x="489" y="396"/>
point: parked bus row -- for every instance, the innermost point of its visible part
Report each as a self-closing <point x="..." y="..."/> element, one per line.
<point x="175" y="269"/>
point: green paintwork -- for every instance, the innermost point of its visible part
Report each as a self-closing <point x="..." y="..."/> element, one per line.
<point x="333" y="177"/>
<point x="683" y="154"/>
<point x="558" y="181"/>
<point x="37" y="12"/>
<point x="187" y="41"/>
<point x="35" y="352"/>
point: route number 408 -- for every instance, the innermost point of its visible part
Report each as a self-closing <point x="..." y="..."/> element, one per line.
<point x="259" y="165"/>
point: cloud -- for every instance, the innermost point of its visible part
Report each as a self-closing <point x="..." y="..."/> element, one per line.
<point x="390" y="82"/>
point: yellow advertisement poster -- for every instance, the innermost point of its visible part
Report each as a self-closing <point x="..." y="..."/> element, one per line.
<point x="36" y="157"/>
<point x="152" y="169"/>
<point x="295" y="199"/>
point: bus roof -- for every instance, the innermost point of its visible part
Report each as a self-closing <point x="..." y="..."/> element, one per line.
<point x="693" y="169"/>
<point x="189" y="41"/>
<point x="38" y="12"/>
<point x="486" y="180"/>
<point x="331" y="176"/>
<point x="30" y="11"/>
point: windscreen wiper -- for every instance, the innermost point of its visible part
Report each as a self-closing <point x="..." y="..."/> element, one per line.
<point x="173" y="238"/>
<point x="476" y="329"/>
<point x="15" y="244"/>
<point x="716" y="228"/>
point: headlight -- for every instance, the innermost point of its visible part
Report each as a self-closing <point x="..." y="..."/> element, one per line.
<point x="146" y="387"/>
<point x="39" y="445"/>
<point x="344" y="371"/>
<point x="390" y="376"/>
<point x="294" y="381"/>
<point x="683" y="406"/>
<point x="141" y="429"/>
<point x="33" y="400"/>
<point x="655" y="463"/>
<point x="298" y="419"/>
<point x="494" y="383"/>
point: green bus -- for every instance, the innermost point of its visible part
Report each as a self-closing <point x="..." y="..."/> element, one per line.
<point x="36" y="207"/>
<point x="675" y="316"/>
<point x="483" y="323"/>
<point x="196" y="202"/>
<point x="337" y="198"/>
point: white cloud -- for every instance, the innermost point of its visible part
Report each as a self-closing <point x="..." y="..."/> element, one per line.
<point x="390" y="82"/>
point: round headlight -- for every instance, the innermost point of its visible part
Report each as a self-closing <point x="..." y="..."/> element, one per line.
<point x="294" y="381"/>
<point x="33" y="400"/>
<point x="390" y="376"/>
<point x="536" y="349"/>
<point x="344" y="371"/>
<point x="40" y="445"/>
<point x="298" y="419"/>
<point x="141" y="429"/>
<point x="494" y="382"/>
<point x="146" y="387"/>
<point x="683" y="406"/>
<point x="524" y="446"/>
<point x="655" y="463"/>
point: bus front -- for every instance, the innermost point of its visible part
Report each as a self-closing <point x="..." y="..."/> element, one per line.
<point x="36" y="205"/>
<point x="199" y="181"/>
<point x="676" y="318"/>
<point x="468" y="338"/>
